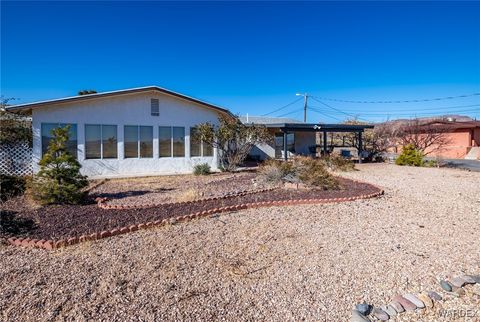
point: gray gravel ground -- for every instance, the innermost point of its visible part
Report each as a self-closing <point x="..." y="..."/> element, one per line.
<point x="279" y="264"/>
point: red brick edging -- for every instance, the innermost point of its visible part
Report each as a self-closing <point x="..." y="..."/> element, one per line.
<point x="52" y="244"/>
<point x="102" y="202"/>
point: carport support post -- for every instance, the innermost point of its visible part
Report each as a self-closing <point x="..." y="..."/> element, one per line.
<point x="285" y="155"/>
<point x="360" y="147"/>
<point x="325" y="142"/>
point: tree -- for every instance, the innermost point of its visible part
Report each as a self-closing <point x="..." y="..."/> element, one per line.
<point x="232" y="139"/>
<point x="425" y="137"/>
<point x="15" y="128"/>
<point x="59" y="180"/>
<point x="87" y="92"/>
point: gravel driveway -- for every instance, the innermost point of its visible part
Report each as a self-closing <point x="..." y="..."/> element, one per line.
<point x="279" y="264"/>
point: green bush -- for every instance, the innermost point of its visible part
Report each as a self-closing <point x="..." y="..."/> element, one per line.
<point x="11" y="186"/>
<point x="59" y="180"/>
<point x="410" y="156"/>
<point x="430" y="164"/>
<point x="201" y="169"/>
<point x="336" y="162"/>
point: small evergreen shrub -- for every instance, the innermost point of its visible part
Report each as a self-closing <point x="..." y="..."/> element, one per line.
<point x="202" y="169"/>
<point x="11" y="186"/>
<point x="59" y="180"/>
<point x="410" y="156"/>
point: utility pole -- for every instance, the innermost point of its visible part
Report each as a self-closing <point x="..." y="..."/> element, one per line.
<point x="305" y="102"/>
<point x="305" y="108"/>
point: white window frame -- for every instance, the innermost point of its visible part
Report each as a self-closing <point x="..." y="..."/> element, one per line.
<point x="201" y="147"/>
<point x="138" y="142"/>
<point x="101" y="141"/>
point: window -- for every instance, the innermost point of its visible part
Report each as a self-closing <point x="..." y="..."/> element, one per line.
<point x="195" y="144"/>
<point x="279" y="144"/>
<point x="131" y="141"/>
<point x="109" y="141"/>
<point x="100" y="141"/>
<point x="199" y="148"/>
<point x="178" y="141"/>
<point x="46" y="129"/>
<point x="93" y="141"/>
<point x="146" y="142"/>
<point x="138" y="141"/>
<point x="165" y="141"/>
<point x="154" y="107"/>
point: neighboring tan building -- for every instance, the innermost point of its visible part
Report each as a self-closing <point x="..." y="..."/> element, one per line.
<point x="463" y="137"/>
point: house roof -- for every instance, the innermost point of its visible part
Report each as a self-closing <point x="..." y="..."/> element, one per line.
<point x="449" y="125"/>
<point x="81" y="98"/>
<point x="266" y="120"/>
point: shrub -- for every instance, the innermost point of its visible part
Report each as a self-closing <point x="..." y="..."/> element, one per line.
<point x="430" y="164"/>
<point x="336" y="162"/>
<point x="59" y="180"/>
<point x="410" y="156"/>
<point x="190" y="194"/>
<point x="274" y="171"/>
<point x="312" y="172"/>
<point x="11" y="186"/>
<point x="201" y="169"/>
<point x="306" y="170"/>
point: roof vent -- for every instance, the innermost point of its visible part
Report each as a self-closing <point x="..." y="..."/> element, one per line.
<point x="155" y="107"/>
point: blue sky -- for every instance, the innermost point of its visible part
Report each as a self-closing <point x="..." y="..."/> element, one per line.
<point x="250" y="57"/>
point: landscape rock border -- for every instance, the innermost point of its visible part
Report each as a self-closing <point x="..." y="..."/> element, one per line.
<point x="413" y="302"/>
<point x="56" y="244"/>
<point x="102" y="202"/>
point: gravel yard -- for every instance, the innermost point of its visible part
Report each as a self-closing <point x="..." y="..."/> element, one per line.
<point x="311" y="262"/>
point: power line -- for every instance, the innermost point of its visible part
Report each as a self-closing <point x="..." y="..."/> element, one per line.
<point x="417" y="109"/>
<point x="325" y="114"/>
<point x="294" y="111"/>
<point x="285" y="106"/>
<point x="340" y="111"/>
<point x="399" y="101"/>
<point x="410" y="112"/>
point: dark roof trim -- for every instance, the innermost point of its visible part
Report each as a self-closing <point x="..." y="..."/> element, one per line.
<point x="29" y="106"/>
<point x="313" y="127"/>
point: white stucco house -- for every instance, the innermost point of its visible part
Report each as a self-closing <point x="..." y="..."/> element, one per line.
<point x="132" y="132"/>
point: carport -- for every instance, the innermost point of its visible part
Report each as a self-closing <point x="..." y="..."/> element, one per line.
<point x="287" y="128"/>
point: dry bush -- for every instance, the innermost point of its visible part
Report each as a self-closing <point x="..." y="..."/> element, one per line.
<point x="312" y="172"/>
<point x="190" y="194"/>
<point x="274" y="171"/>
<point x="336" y="162"/>
<point x="306" y="170"/>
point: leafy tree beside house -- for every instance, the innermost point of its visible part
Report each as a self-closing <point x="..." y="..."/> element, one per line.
<point x="59" y="180"/>
<point x="232" y="139"/>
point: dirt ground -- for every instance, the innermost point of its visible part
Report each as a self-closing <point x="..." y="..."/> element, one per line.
<point x="312" y="262"/>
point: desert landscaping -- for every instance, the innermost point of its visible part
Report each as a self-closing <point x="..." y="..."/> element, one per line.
<point x="301" y="262"/>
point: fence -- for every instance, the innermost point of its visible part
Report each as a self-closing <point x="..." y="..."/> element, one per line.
<point x="16" y="159"/>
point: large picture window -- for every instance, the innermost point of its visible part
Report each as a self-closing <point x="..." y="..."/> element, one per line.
<point x="178" y="141"/>
<point x="100" y="141"/>
<point x="199" y="148"/>
<point x="146" y="142"/>
<point x="46" y="129"/>
<point x="138" y="141"/>
<point x="165" y="141"/>
<point x="131" y="141"/>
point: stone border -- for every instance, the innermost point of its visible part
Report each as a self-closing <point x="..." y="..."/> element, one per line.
<point x="410" y="302"/>
<point x="52" y="244"/>
<point x="102" y="202"/>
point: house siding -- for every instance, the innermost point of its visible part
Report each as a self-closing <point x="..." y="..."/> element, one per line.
<point x="132" y="109"/>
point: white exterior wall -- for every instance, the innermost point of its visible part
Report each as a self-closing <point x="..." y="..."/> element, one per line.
<point x="132" y="109"/>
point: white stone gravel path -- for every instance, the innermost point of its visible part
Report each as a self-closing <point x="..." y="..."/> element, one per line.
<point x="277" y="264"/>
